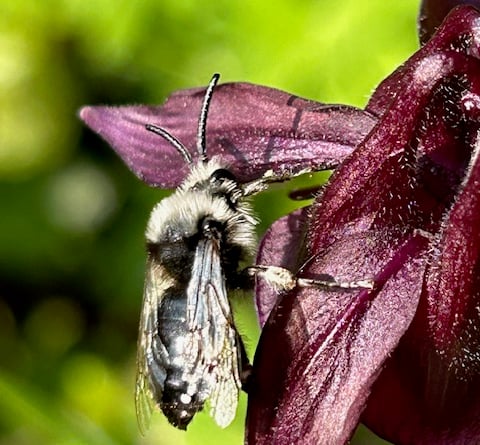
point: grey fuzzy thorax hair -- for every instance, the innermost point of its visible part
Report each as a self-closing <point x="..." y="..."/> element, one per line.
<point x="178" y="216"/>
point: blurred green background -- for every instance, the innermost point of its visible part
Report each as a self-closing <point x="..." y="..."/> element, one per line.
<point x="72" y="215"/>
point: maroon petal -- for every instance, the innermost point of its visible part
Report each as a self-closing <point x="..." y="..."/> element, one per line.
<point x="318" y="357"/>
<point x="433" y="12"/>
<point x="436" y="382"/>
<point x="453" y="301"/>
<point x="453" y="285"/>
<point x="459" y="33"/>
<point x="252" y="128"/>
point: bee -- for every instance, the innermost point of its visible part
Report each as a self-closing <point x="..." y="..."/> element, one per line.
<point x="190" y="353"/>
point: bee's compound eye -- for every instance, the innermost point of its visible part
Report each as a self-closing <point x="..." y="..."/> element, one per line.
<point x="222" y="174"/>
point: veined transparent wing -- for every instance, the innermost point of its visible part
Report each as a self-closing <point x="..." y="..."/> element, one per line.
<point x="210" y="319"/>
<point x="150" y="351"/>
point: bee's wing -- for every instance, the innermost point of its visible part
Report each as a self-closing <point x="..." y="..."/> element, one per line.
<point x="150" y="350"/>
<point x="224" y="398"/>
<point x="209" y="313"/>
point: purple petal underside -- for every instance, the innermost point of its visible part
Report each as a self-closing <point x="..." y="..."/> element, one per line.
<point x="320" y="352"/>
<point x="254" y="129"/>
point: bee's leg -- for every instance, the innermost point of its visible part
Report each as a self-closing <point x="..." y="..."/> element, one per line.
<point x="304" y="193"/>
<point x="245" y="366"/>
<point x="261" y="184"/>
<point x="282" y="279"/>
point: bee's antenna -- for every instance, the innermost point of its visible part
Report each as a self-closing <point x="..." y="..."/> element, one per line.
<point x="173" y="140"/>
<point x="202" y="121"/>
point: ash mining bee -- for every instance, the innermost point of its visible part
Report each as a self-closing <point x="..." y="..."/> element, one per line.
<point x="189" y="350"/>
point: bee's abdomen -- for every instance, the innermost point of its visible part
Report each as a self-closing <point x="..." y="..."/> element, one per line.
<point x="178" y="405"/>
<point x="182" y="395"/>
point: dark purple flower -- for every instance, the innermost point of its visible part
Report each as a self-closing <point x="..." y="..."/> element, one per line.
<point x="403" y="209"/>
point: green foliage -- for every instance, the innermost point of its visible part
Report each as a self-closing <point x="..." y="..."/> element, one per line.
<point x="72" y="215"/>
